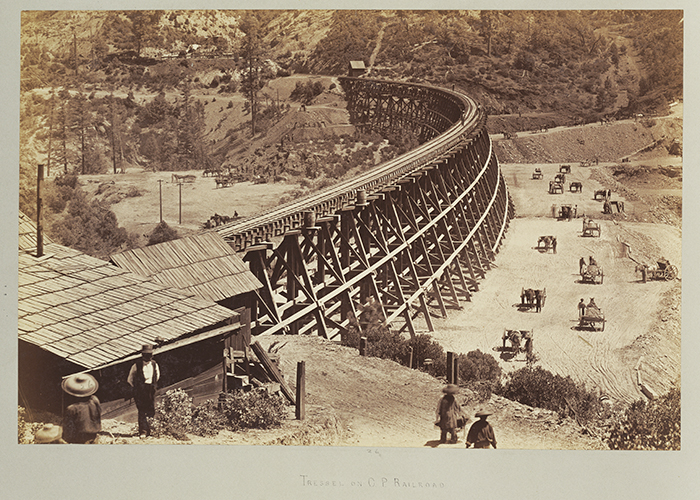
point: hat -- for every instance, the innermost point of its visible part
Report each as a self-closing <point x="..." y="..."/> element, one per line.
<point x="482" y="413"/>
<point x="48" y="434"/>
<point x="450" y="389"/>
<point x="147" y="349"/>
<point x="80" y="385"/>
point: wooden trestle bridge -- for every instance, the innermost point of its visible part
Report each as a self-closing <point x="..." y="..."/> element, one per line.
<point x="414" y="234"/>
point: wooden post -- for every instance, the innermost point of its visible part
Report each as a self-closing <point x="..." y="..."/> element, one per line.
<point x="410" y="357"/>
<point x="39" y="205"/>
<point x="301" y="390"/>
<point x="456" y="372"/>
<point x="180" y="185"/>
<point x="160" y="198"/>
<point x="450" y="367"/>
<point x="363" y="346"/>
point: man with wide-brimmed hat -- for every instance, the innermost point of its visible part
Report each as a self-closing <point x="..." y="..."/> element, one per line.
<point x="481" y="433"/>
<point x="49" y="434"/>
<point x="448" y="414"/>
<point x="143" y="377"/>
<point x="83" y="417"/>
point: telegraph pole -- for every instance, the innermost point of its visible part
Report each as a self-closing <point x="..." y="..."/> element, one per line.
<point x="180" y="185"/>
<point x="160" y="193"/>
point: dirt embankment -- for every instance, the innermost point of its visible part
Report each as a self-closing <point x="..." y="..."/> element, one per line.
<point x="607" y="143"/>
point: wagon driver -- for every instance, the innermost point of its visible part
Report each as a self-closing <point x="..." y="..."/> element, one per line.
<point x="581" y="308"/>
<point x="143" y="377"/>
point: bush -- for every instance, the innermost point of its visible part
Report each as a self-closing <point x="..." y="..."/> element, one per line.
<point x="173" y="415"/>
<point x="207" y="420"/>
<point x="540" y="388"/>
<point x="255" y="409"/>
<point x="478" y="366"/>
<point x="653" y="425"/>
<point x="162" y="233"/>
<point x="424" y="347"/>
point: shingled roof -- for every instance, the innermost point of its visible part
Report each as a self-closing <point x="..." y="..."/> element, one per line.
<point x="27" y="233"/>
<point x="204" y="265"/>
<point x="93" y="313"/>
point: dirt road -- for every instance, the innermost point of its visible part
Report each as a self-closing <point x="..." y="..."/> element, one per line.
<point x="598" y="359"/>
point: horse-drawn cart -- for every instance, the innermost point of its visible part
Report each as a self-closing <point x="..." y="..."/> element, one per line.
<point x="567" y="212"/>
<point x="556" y="187"/>
<point x="576" y="187"/>
<point x="591" y="228"/>
<point x="532" y="298"/>
<point x="592" y="318"/>
<point x="520" y="341"/>
<point x="545" y="243"/>
<point x="591" y="274"/>
<point x="663" y="270"/>
<point x="537" y="174"/>
<point x="565" y="169"/>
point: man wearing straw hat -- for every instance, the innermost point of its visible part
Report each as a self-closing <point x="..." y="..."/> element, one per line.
<point x="448" y="414"/>
<point x="143" y="377"/>
<point x="49" y="434"/>
<point x="83" y="418"/>
<point x="481" y="433"/>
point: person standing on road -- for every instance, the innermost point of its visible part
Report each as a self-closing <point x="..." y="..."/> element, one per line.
<point x="481" y="433"/>
<point x="83" y="418"/>
<point x="448" y="414"/>
<point x="143" y="377"/>
<point x="538" y="301"/>
<point x="554" y="245"/>
<point x="581" y="308"/>
<point x="581" y="265"/>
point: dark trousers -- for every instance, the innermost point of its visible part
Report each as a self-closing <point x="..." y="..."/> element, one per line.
<point x="145" y="403"/>
<point x="443" y="435"/>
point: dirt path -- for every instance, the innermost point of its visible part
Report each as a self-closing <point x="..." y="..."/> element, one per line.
<point x="630" y="307"/>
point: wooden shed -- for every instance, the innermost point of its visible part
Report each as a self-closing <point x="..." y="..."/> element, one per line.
<point x="356" y="68"/>
<point x="203" y="265"/>
<point x="78" y="313"/>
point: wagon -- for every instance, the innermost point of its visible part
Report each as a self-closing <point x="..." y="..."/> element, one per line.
<point x="567" y="212"/>
<point x="591" y="228"/>
<point x="528" y="298"/>
<point x="663" y="270"/>
<point x="591" y="274"/>
<point x="537" y="174"/>
<point x="544" y="243"/>
<point x="592" y="318"/>
<point x="520" y="341"/>
<point x="556" y="187"/>
<point x="576" y="187"/>
<point x="560" y="178"/>
<point x="565" y="169"/>
<point x="602" y="194"/>
<point x="585" y="164"/>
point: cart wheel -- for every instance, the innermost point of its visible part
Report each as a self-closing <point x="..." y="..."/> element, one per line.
<point x="670" y="273"/>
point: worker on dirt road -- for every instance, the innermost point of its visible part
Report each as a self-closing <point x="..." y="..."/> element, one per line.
<point x="581" y="265"/>
<point x="449" y="413"/>
<point x="481" y="433"/>
<point x="538" y="300"/>
<point x="581" y="308"/>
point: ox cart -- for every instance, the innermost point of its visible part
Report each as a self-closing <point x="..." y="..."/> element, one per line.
<point x="601" y="194"/>
<point x="663" y="270"/>
<point x="560" y="178"/>
<point x="592" y="318"/>
<point x="565" y="169"/>
<point x="567" y="212"/>
<point x="590" y="228"/>
<point x="556" y="187"/>
<point x="576" y="187"/>
<point x="591" y="273"/>
<point x="531" y="298"/>
<point x="537" y="174"/>
<point x="519" y="340"/>
<point x="545" y="243"/>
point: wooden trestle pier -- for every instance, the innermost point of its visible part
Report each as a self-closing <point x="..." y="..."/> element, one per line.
<point x="414" y="233"/>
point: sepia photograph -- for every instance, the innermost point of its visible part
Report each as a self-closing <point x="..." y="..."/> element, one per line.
<point x="383" y="231"/>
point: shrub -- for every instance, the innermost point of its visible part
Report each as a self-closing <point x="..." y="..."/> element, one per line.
<point x="207" y="420"/>
<point x="424" y="347"/>
<point x="162" y="233"/>
<point x="255" y="409"/>
<point x="653" y="425"/>
<point x="173" y="415"/>
<point x="478" y="366"/>
<point x="541" y="388"/>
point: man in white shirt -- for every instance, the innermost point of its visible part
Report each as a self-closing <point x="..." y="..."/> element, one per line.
<point x="143" y="377"/>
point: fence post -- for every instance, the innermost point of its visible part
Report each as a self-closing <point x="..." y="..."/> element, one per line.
<point x="301" y="390"/>
<point x="450" y="367"/>
<point x="456" y="372"/>
<point x="410" y="357"/>
<point x="363" y="346"/>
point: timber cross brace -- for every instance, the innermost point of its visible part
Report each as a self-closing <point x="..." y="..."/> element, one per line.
<point x="413" y="234"/>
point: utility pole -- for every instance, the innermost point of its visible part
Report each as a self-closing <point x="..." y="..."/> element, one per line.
<point x="180" y="185"/>
<point x="39" y="228"/>
<point x="160" y="193"/>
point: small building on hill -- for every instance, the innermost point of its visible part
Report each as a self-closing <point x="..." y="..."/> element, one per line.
<point x="356" y="68"/>
<point x="77" y="313"/>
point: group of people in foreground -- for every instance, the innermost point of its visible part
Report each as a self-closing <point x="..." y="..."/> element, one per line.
<point x="451" y="419"/>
